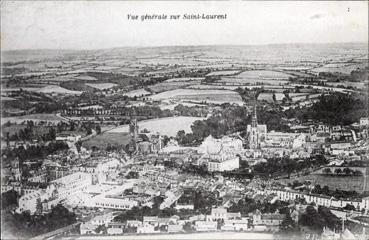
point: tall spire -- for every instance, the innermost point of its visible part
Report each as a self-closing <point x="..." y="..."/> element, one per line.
<point x="254" y="120"/>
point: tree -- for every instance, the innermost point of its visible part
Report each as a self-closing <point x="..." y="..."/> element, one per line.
<point x="337" y="171"/>
<point x="51" y="134"/>
<point x="98" y="129"/>
<point x="8" y="199"/>
<point x="327" y="171"/>
<point x="317" y="189"/>
<point x="187" y="227"/>
<point x="101" y="229"/>
<point x="312" y="219"/>
<point x="347" y="171"/>
<point x="287" y="225"/>
<point x="349" y="207"/>
<point x="289" y="165"/>
<point x="325" y="190"/>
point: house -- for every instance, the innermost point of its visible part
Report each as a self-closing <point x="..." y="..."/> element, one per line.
<point x="133" y="223"/>
<point x="270" y="220"/>
<point x="146" y="228"/>
<point x="87" y="228"/>
<point x="215" y="165"/>
<point x="217" y="213"/>
<point x="180" y="206"/>
<point x="364" y="121"/>
<point x="205" y="226"/>
<point x="115" y="228"/>
<point x="236" y="225"/>
<point x="153" y="220"/>
<point x="174" y="228"/>
<point x="103" y="219"/>
<point x="68" y="137"/>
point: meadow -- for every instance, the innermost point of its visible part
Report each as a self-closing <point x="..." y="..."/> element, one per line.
<point x="116" y="139"/>
<point x="258" y="76"/>
<point x="40" y="117"/>
<point x="166" y="126"/>
<point x="347" y="183"/>
<point x="102" y="86"/>
<point x="137" y="93"/>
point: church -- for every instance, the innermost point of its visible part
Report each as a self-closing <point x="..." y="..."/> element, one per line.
<point x="256" y="132"/>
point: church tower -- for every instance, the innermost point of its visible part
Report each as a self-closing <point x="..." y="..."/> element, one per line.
<point x="133" y="130"/>
<point x="254" y="132"/>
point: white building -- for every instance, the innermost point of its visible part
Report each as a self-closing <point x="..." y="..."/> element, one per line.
<point x="68" y="137"/>
<point x="205" y="226"/>
<point x="226" y="165"/>
<point x="72" y="184"/>
<point x="236" y="225"/>
<point x="364" y="121"/>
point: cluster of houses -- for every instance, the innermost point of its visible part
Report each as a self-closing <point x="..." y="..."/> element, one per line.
<point x="219" y="220"/>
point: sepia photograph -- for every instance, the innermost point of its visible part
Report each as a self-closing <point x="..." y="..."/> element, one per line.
<point x="184" y="120"/>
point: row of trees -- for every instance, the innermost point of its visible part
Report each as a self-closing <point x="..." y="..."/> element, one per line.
<point x="32" y="152"/>
<point x="339" y="194"/>
<point x="343" y="172"/>
<point x="249" y="205"/>
<point x="316" y="220"/>
<point x="286" y="165"/>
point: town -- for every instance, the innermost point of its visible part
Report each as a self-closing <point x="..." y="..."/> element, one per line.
<point x="174" y="148"/>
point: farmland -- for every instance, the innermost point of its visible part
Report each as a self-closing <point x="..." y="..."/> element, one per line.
<point x="345" y="68"/>
<point x="34" y="117"/>
<point x="117" y="139"/>
<point x="101" y="86"/>
<point x="137" y="93"/>
<point x="258" y="76"/>
<point x="347" y="183"/>
<point x="167" y="86"/>
<point x="58" y="90"/>
<point x="223" y="73"/>
<point x="166" y="126"/>
<point x="269" y="97"/>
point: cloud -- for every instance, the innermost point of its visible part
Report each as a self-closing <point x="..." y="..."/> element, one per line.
<point x="317" y="16"/>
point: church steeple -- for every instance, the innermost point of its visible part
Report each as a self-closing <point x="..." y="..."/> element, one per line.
<point x="254" y="119"/>
<point x="253" y="131"/>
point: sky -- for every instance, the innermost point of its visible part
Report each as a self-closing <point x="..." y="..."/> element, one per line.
<point x="103" y="24"/>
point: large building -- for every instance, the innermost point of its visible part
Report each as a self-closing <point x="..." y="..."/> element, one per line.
<point x="255" y="132"/>
<point x="221" y="154"/>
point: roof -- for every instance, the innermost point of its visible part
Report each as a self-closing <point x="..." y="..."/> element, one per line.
<point x="273" y="216"/>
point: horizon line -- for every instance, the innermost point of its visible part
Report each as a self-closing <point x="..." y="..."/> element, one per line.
<point x="190" y="45"/>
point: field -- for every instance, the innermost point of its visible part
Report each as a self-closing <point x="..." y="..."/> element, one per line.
<point x="258" y="76"/>
<point x="12" y="129"/>
<point x="102" y="86"/>
<point x="210" y="87"/>
<point x="167" y="86"/>
<point x="187" y="92"/>
<point x="358" y="85"/>
<point x="232" y="98"/>
<point x="85" y="78"/>
<point x="108" y="138"/>
<point x="184" y="79"/>
<point x="34" y="117"/>
<point x="345" y="68"/>
<point x="59" y="90"/>
<point x="347" y="183"/>
<point x="269" y="97"/>
<point x="166" y="126"/>
<point x="137" y="93"/>
<point x="223" y="73"/>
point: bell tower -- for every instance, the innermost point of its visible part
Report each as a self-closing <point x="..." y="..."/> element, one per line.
<point x="254" y="133"/>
